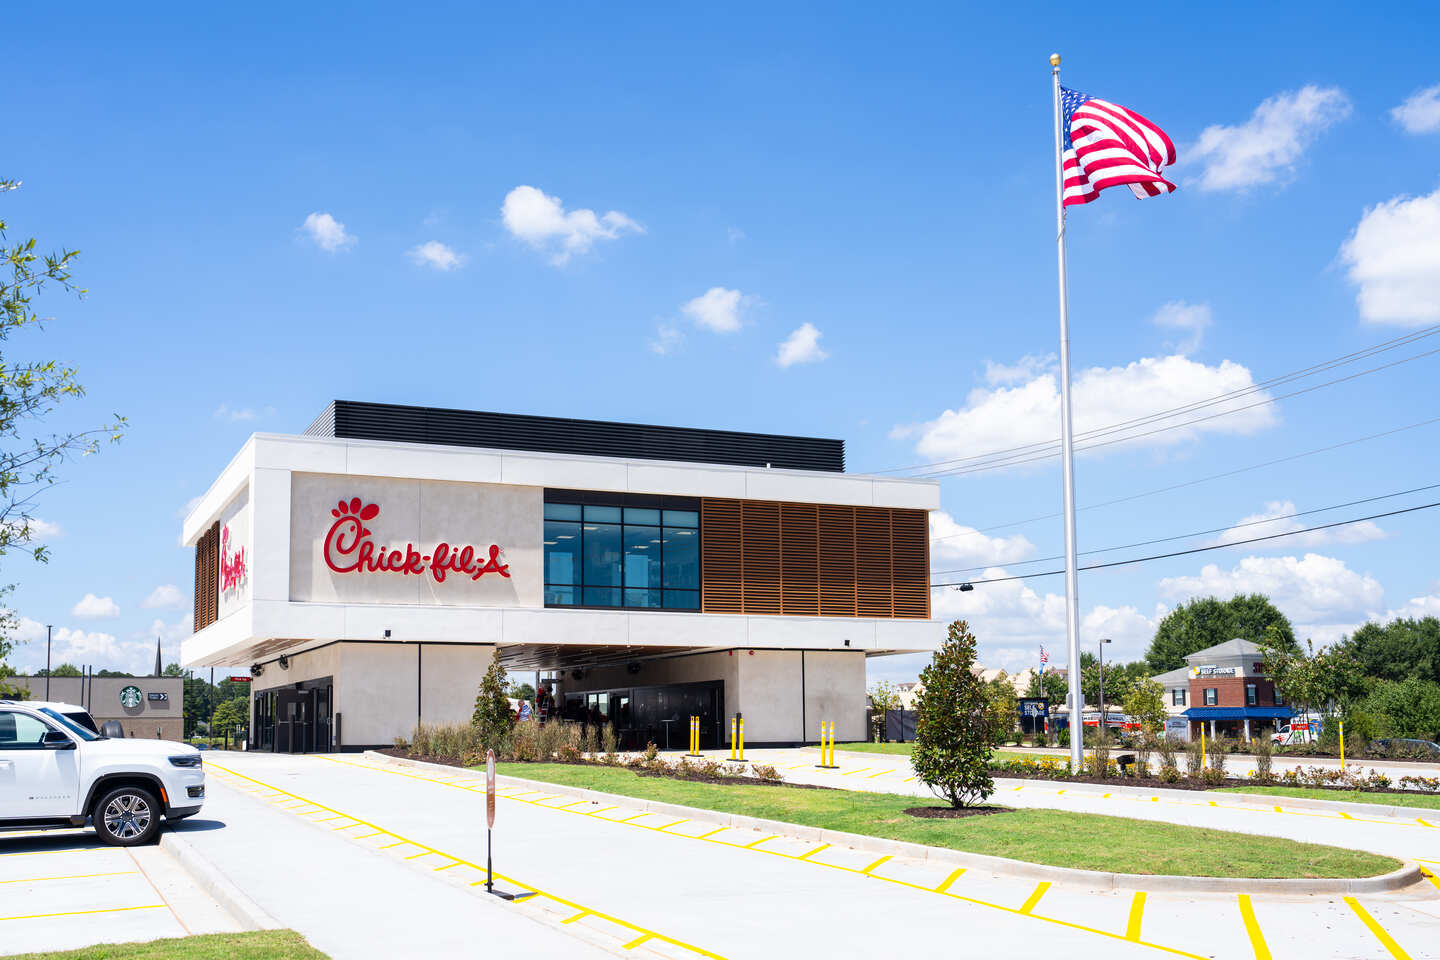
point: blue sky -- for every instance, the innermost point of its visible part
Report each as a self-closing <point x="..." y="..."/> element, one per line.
<point x="699" y="189"/>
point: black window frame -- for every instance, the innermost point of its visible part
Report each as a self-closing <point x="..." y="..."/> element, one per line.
<point x="1178" y="697"/>
<point x="1212" y="696"/>
<point x="1252" y="695"/>
<point x="596" y="498"/>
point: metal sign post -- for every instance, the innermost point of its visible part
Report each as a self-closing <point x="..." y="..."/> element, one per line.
<point x="489" y="817"/>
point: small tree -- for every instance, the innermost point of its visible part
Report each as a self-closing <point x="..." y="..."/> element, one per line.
<point x="492" y="707"/>
<point x="229" y="717"/>
<point x="1001" y="708"/>
<point x="952" y="726"/>
<point x="1145" y="703"/>
<point x="883" y="697"/>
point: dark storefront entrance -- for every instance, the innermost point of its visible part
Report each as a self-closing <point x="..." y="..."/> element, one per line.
<point x="295" y="719"/>
<point x="659" y="715"/>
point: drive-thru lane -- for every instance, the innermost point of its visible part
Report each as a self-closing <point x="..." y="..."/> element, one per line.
<point x="734" y="893"/>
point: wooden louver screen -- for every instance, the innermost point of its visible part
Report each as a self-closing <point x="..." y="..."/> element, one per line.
<point x="798" y="559"/>
<point x="207" y="578"/>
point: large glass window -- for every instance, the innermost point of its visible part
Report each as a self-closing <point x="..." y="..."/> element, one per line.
<point x="613" y="556"/>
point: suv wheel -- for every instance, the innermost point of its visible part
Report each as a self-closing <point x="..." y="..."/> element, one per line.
<point x="127" y="816"/>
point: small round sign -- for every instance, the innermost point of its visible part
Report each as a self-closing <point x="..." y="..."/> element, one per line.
<point x="130" y="697"/>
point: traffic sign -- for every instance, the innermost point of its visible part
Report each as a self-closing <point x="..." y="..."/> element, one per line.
<point x="490" y="789"/>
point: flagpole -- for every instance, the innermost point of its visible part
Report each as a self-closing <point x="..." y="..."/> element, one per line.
<point x="1067" y="455"/>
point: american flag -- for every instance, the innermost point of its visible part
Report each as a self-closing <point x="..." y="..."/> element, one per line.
<point x="1044" y="657"/>
<point x="1107" y="145"/>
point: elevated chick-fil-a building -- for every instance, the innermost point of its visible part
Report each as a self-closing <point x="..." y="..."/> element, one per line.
<point x="366" y="573"/>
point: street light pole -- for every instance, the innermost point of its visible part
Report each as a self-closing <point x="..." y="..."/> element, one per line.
<point x="1101" y="646"/>
<point x="48" y="628"/>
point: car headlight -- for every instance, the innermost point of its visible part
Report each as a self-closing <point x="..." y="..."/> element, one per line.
<point x="188" y="760"/>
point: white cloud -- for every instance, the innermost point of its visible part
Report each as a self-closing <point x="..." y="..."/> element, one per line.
<point x="327" y="232"/>
<point x="543" y="222"/>
<point x="953" y="543"/>
<point x="667" y="338"/>
<point x="92" y="607"/>
<point x="1192" y="318"/>
<point x="1011" y="622"/>
<point x="240" y="414"/>
<point x="1309" y="589"/>
<point x="166" y="595"/>
<point x="802" y="346"/>
<point x="434" y="254"/>
<point x="169" y="633"/>
<point x="1394" y="258"/>
<point x="99" y="650"/>
<point x="1414" y="609"/>
<point x="1029" y="413"/>
<point x="717" y="309"/>
<point x="1279" y="517"/>
<point x="1266" y="147"/>
<point x="42" y="530"/>
<point x="1420" y="113"/>
<point x="1027" y="368"/>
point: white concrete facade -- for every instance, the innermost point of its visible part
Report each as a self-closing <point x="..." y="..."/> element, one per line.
<point x="287" y="502"/>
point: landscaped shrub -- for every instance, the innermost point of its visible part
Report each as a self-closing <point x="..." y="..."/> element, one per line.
<point x="1170" y="774"/>
<point x="1166" y="746"/>
<point x="608" y="740"/>
<point x="1263" y="750"/>
<point x="1423" y="784"/>
<point x="766" y="772"/>
<point x="492" y="707"/>
<point x="1213" y="776"/>
<point x="953" y="733"/>
<point x="1217" y="758"/>
<point x="1194" y="759"/>
<point x="1099" y="763"/>
<point x="552" y="737"/>
<point x="589" y="739"/>
<point x="525" y="741"/>
<point x="1144" y="745"/>
<point x="1063" y="738"/>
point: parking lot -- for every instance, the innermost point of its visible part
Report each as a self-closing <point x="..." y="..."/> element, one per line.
<point x="65" y="889"/>
<point x="367" y="858"/>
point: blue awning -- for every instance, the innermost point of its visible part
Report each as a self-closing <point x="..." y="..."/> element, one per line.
<point x="1239" y="713"/>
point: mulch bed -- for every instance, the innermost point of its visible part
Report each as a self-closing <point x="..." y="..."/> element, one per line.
<point x="954" y="813"/>
<point x="1187" y="784"/>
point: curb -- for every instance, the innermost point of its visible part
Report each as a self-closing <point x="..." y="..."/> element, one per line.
<point x="1396" y="879"/>
<point x="249" y="914"/>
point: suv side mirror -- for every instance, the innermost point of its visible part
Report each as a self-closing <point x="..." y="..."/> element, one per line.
<point x="55" y="740"/>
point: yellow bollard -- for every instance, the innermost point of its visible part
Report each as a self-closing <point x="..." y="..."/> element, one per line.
<point x="1202" y="745"/>
<point x="741" y="758"/>
<point x="734" y="736"/>
<point x="827" y="745"/>
<point x="1342" y="746"/>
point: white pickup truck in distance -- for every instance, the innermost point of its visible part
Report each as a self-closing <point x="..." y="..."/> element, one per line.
<point x="55" y="773"/>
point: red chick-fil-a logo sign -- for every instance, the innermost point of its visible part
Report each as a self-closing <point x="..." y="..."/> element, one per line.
<point x="350" y="549"/>
<point x="232" y="565"/>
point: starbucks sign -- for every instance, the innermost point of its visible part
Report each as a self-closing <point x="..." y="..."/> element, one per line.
<point x="130" y="697"/>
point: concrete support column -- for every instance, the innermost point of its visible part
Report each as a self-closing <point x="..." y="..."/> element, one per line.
<point x="1247" y="728"/>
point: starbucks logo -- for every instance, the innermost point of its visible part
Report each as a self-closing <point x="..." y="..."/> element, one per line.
<point x="130" y="697"/>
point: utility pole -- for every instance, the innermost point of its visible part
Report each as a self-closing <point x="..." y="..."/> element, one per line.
<point x="48" y="628"/>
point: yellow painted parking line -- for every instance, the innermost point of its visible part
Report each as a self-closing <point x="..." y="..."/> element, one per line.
<point x="579" y="916"/>
<point x="395" y="844"/>
<point x="577" y="803"/>
<point x="628" y="819"/>
<point x="1385" y="939"/>
<point x="643" y="932"/>
<point x="46" y="853"/>
<point x="80" y="913"/>
<point x="880" y="774"/>
<point x="1137" y="912"/>
<point x="81" y="876"/>
<point x="594" y="812"/>
<point x="675" y="824"/>
<point x="752" y="846"/>
<point x="1278" y="810"/>
<point x="872" y="866"/>
<point x="705" y="838"/>
<point x="346" y="826"/>
<point x="1252" y="928"/>
<point x="448" y="866"/>
<point x="954" y="875"/>
<point x="1034" y="897"/>
<point x="328" y="819"/>
<point x="1423" y="823"/>
<point x="808" y="855"/>
<point x="908" y="780"/>
<point x="1345" y="815"/>
<point x="423" y="853"/>
<point x="853" y="772"/>
<point x="1430" y="875"/>
<point x="367" y="836"/>
<point x="639" y="940"/>
<point x="1104" y="796"/>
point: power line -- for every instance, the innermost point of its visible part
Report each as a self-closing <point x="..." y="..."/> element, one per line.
<point x="1190" y="483"/>
<point x="1181" y="553"/>
<point x="1392" y="344"/>
<point x="1018" y="459"/>
<point x="1200" y="533"/>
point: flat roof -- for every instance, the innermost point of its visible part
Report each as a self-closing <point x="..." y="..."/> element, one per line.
<point x="362" y="420"/>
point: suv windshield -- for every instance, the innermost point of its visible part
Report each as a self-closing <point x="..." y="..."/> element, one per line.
<point x="71" y="725"/>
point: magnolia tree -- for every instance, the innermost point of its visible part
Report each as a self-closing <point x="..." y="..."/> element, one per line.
<point x="954" y="727"/>
<point x="492" y="707"/>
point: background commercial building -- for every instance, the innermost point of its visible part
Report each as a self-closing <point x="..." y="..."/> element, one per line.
<point x="1225" y="689"/>
<point x="367" y="572"/>
<point x="149" y="707"/>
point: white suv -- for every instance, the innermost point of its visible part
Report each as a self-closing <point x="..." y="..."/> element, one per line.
<point x="56" y="773"/>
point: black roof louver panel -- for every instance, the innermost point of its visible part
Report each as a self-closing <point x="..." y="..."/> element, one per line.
<point x="359" y="420"/>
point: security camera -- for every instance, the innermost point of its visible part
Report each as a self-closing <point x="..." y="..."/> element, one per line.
<point x="256" y="669"/>
<point x="284" y="662"/>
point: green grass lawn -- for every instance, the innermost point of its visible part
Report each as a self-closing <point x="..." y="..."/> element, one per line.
<point x="1084" y="841"/>
<point x="1425" y="801"/>
<point x="264" y="945"/>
